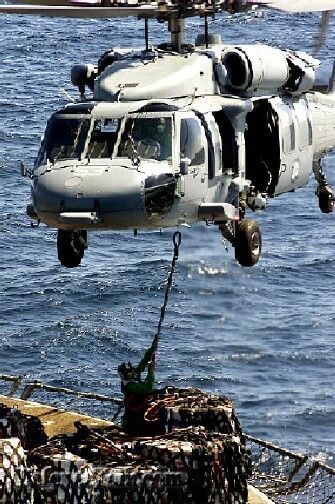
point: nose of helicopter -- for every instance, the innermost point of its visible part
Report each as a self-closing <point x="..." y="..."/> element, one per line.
<point x="91" y="194"/>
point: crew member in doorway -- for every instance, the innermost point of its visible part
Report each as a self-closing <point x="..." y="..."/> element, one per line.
<point x="137" y="392"/>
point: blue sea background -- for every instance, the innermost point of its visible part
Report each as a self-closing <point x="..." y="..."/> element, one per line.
<point x="262" y="336"/>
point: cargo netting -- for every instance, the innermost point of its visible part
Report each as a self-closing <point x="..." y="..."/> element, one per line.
<point x="197" y="456"/>
<point x="287" y="477"/>
<point x="195" y="453"/>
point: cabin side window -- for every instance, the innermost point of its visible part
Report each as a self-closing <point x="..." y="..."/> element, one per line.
<point x="228" y="142"/>
<point x="288" y="130"/>
<point x="310" y="130"/>
<point x="217" y="145"/>
<point x="292" y="133"/>
<point x="304" y="124"/>
<point x="191" y="145"/>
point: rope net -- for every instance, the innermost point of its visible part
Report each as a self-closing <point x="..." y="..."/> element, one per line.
<point x="196" y="454"/>
<point x="287" y="477"/>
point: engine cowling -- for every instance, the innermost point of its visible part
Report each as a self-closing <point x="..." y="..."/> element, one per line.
<point x="256" y="67"/>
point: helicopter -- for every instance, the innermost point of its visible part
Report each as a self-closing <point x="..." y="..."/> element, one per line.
<point x="179" y="133"/>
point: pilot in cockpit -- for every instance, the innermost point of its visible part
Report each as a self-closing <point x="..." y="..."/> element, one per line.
<point x="150" y="137"/>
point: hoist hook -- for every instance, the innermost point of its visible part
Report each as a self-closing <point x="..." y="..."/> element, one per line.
<point x="176" y="239"/>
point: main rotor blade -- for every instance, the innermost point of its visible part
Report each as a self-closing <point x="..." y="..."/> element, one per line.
<point x="79" y="12"/>
<point x="324" y="25"/>
<point x="152" y="9"/>
<point x="296" y="5"/>
<point x="69" y="3"/>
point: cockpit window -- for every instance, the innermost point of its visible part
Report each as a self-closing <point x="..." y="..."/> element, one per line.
<point x="102" y="139"/>
<point x="190" y="141"/>
<point x="148" y="138"/>
<point x="65" y="138"/>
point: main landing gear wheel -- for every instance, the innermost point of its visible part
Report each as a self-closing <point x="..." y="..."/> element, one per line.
<point x="70" y="247"/>
<point x="326" y="199"/>
<point x="248" y="242"/>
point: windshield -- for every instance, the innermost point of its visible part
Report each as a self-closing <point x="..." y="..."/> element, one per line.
<point x="102" y="139"/>
<point x="65" y="138"/>
<point x="148" y="138"/>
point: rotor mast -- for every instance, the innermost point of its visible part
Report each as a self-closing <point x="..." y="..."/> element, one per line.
<point x="176" y="26"/>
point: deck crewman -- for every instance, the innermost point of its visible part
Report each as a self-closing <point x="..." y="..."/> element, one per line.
<point x="137" y="392"/>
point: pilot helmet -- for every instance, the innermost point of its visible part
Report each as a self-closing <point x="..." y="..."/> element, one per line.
<point x="161" y="125"/>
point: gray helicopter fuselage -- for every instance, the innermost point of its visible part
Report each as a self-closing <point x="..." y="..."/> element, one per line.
<point x="172" y="138"/>
<point x="133" y="186"/>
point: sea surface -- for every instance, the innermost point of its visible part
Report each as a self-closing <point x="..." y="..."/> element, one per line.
<point x="262" y="336"/>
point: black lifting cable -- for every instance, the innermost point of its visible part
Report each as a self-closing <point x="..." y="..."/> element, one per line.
<point x="176" y="241"/>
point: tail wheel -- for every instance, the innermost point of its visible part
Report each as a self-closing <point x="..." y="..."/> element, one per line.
<point x="248" y="242"/>
<point x="70" y="247"/>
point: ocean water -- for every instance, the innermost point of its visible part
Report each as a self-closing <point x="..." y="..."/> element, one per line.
<point x="262" y="336"/>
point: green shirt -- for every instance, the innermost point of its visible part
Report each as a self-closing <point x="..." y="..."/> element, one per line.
<point x="142" y="387"/>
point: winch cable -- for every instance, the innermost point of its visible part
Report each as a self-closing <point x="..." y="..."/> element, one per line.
<point x="176" y="242"/>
